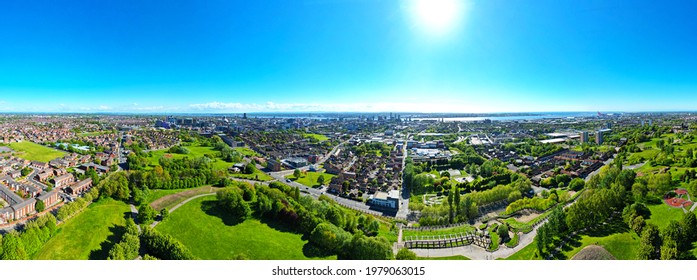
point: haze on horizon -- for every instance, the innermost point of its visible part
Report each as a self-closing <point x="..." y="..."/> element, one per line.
<point x="462" y="56"/>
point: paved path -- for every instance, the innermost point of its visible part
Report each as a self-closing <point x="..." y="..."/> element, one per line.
<point x="134" y="213"/>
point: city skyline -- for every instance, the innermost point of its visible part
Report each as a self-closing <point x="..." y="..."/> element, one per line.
<point x="443" y="56"/>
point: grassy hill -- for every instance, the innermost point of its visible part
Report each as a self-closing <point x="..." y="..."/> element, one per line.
<point x="209" y="234"/>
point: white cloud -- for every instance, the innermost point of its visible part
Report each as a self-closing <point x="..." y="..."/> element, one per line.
<point x="104" y="107"/>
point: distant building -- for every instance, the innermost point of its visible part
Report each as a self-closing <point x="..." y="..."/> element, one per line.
<point x="274" y="165"/>
<point x="297" y="162"/>
<point x="387" y="200"/>
<point x="584" y="137"/>
<point x="599" y="137"/>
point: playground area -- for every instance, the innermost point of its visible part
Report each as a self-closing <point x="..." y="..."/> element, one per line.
<point x="679" y="198"/>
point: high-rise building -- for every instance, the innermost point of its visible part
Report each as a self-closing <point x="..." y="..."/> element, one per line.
<point x="599" y="137"/>
<point x="584" y="137"/>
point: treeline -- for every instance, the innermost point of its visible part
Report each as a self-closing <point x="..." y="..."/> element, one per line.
<point x="24" y="245"/>
<point x="329" y="227"/>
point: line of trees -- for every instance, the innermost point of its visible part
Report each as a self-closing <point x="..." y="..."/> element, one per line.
<point x="163" y="246"/>
<point x="24" y="245"/>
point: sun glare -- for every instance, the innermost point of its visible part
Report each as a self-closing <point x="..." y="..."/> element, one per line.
<point x="436" y="17"/>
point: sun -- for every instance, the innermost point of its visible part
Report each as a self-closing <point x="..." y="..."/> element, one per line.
<point x="436" y="17"/>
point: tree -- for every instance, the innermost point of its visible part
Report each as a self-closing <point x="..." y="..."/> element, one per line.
<point x="650" y="245"/>
<point x="689" y="224"/>
<point x="146" y="214"/>
<point x="164" y="213"/>
<point x="250" y="168"/>
<point x="637" y="224"/>
<point x="405" y="254"/>
<point x="231" y="200"/>
<point x="296" y="173"/>
<point x="320" y="180"/>
<point x="673" y="240"/>
<point x="13" y="248"/>
<point x="329" y="237"/>
<point x="502" y="231"/>
<point x="40" y="206"/>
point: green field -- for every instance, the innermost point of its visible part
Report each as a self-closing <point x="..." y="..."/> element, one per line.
<point x="527" y="253"/>
<point x="257" y="175"/>
<point x="622" y="246"/>
<point x="310" y="178"/>
<point x="33" y="151"/>
<point x="246" y="151"/>
<point x="207" y="232"/>
<point x="662" y="214"/>
<point x="195" y="151"/>
<point x="88" y="235"/>
<point x="319" y="137"/>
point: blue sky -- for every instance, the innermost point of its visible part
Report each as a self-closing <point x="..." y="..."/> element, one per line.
<point x="348" y="55"/>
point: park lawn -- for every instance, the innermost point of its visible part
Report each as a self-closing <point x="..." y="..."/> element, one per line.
<point x="207" y="235"/>
<point x="33" y="151"/>
<point x="527" y="253"/>
<point x="662" y="214"/>
<point x="622" y="245"/>
<point x="246" y="151"/>
<point x="258" y="175"/>
<point x="195" y="151"/>
<point x="644" y="155"/>
<point x="318" y="137"/>
<point x="309" y="178"/>
<point x="173" y="197"/>
<point x="456" y="257"/>
<point x="83" y="236"/>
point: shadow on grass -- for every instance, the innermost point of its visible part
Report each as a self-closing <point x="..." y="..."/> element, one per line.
<point x="117" y="233"/>
<point x="211" y="208"/>
<point x="614" y="226"/>
<point x="312" y="251"/>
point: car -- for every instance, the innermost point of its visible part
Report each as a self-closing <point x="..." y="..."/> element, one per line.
<point x="288" y="181"/>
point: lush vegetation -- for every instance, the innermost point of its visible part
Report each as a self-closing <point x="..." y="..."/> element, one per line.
<point x="164" y="246"/>
<point x="24" y="245"/>
<point x="129" y="246"/>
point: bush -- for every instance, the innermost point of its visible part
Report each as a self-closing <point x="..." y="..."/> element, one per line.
<point x="406" y="254"/>
<point x="164" y="246"/>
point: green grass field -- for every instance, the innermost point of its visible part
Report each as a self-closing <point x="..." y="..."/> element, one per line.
<point x="527" y="253"/>
<point x="207" y="232"/>
<point x="662" y="214"/>
<point x="195" y="151"/>
<point x="257" y="175"/>
<point x="621" y="245"/>
<point x="246" y="151"/>
<point x="310" y="178"/>
<point x="319" y="137"/>
<point x="88" y="235"/>
<point x="33" y="151"/>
